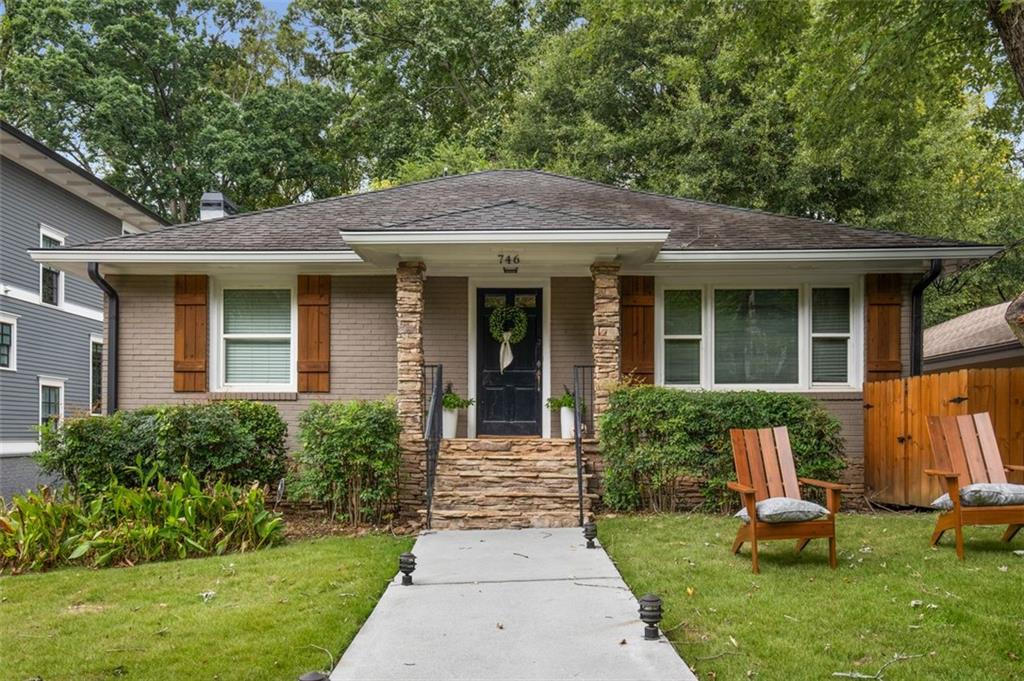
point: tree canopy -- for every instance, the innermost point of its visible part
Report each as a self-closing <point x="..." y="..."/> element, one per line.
<point x="898" y="115"/>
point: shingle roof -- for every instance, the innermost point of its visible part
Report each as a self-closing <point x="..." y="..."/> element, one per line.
<point x="511" y="199"/>
<point x="977" y="330"/>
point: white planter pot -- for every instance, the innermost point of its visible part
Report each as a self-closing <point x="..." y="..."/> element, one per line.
<point x="568" y="421"/>
<point x="449" y="422"/>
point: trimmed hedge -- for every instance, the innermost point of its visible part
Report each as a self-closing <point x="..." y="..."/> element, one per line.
<point x="237" y="441"/>
<point x="651" y="437"/>
<point x="349" y="459"/>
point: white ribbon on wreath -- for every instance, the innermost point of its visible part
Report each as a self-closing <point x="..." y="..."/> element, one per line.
<point x="505" y="354"/>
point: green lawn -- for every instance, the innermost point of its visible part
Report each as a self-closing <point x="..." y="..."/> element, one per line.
<point x="269" y="609"/>
<point x="800" y="620"/>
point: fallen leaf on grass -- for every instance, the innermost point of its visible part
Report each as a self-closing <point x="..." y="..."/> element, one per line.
<point x="733" y="642"/>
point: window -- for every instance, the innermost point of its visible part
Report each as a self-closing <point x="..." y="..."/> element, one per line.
<point x="757" y="336"/>
<point x="51" y="281"/>
<point x="8" y="342"/>
<point x="791" y="336"/>
<point x="256" y="335"/>
<point x="682" y="337"/>
<point x="830" y="335"/>
<point x="95" y="375"/>
<point x="51" y="400"/>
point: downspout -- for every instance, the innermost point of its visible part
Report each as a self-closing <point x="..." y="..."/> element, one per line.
<point x="112" y="317"/>
<point x="917" y="317"/>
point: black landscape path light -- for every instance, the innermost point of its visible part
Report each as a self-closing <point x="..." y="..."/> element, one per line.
<point x="406" y="564"/>
<point x="650" y="614"/>
<point x="590" y="533"/>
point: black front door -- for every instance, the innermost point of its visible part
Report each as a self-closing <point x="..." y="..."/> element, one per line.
<point x="509" y="400"/>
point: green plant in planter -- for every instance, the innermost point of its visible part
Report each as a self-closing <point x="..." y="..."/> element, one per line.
<point x="566" y="399"/>
<point x="452" y="400"/>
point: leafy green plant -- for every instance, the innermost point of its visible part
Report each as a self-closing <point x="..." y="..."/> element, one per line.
<point x="651" y="437"/>
<point x="566" y="399"/>
<point x="159" y="519"/>
<point x="349" y="458"/>
<point x="237" y="441"/>
<point x="452" y="400"/>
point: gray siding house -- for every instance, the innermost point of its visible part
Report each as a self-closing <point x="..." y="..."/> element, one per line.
<point x="51" y="325"/>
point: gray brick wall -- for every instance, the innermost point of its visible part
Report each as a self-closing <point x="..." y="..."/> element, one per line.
<point x="363" y="351"/>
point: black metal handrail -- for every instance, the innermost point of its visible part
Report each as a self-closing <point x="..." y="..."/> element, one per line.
<point x="433" y="382"/>
<point x="583" y="419"/>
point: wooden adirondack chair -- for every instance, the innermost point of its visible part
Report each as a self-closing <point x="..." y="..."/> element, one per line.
<point x="764" y="469"/>
<point x="964" y="452"/>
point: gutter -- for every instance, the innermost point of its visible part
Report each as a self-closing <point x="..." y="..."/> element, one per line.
<point x="917" y="317"/>
<point x="113" y="317"/>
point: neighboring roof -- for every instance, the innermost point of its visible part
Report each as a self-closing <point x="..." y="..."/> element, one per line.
<point x="977" y="331"/>
<point x="498" y="200"/>
<point x="114" y="201"/>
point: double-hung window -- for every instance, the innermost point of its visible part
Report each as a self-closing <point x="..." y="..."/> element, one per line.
<point x="8" y="342"/>
<point x="51" y="281"/>
<point x="791" y="337"/>
<point x="257" y="338"/>
<point x="51" y="400"/>
<point x="96" y="375"/>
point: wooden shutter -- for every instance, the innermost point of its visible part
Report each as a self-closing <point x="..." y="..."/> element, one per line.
<point x="637" y="307"/>
<point x="314" y="334"/>
<point x="190" y="332"/>
<point x="884" y="294"/>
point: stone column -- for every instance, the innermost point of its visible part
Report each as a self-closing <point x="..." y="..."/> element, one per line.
<point x="409" y="393"/>
<point x="607" y="337"/>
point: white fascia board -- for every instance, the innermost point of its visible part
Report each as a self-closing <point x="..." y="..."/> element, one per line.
<point x="836" y="254"/>
<point x="519" y="236"/>
<point x="61" y="256"/>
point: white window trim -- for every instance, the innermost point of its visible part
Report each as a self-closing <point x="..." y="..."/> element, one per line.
<point x="697" y="337"/>
<point x="218" y="365"/>
<point x="803" y="286"/>
<point x="95" y="339"/>
<point x="51" y="382"/>
<point x="848" y="337"/>
<point x="11" y="319"/>
<point x="56" y="235"/>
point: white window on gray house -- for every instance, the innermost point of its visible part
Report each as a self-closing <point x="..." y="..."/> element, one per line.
<point x="95" y="376"/>
<point x="830" y="335"/>
<point x="51" y="400"/>
<point x="788" y="337"/>
<point x="8" y="338"/>
<point x="257" y="337"/>
<point x="683" y="336"/>
<point x="51" y="281"/>
<point x="757" y="336"/>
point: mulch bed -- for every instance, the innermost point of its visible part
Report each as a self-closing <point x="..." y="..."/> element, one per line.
<point x="309" y="522"/>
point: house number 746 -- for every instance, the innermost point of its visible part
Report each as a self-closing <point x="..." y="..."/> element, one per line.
<point x="508" y="259"/>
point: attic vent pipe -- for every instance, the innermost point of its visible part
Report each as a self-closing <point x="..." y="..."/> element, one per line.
<point x="112" y="317"/>
<point x="917" y="317"/>
<point x="215" y="205"/>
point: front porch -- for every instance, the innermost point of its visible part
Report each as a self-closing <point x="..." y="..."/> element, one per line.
<point x="511" y="463"/>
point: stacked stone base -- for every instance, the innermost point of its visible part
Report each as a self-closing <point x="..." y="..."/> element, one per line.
<point x="506" y="483"/>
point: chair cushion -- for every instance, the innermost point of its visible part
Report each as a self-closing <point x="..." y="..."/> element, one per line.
<point x="985" y="494"/>
<point x="785" y="510"/>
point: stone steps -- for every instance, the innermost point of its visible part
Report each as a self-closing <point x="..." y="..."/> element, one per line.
<point x="506" y="483"/>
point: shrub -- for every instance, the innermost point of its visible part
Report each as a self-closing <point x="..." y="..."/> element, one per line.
<point x="158" y="520"/>
<point x="650" y="437"/>
<point x="452" y="400"/>
<point x="237" y="441"/>
<point x="349" y="458"/>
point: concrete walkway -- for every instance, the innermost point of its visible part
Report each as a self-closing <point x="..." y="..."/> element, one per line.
<point x="508" y="604"/>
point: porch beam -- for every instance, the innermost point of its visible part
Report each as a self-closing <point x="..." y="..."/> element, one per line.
<point x="607" y="334"/>
<point x="409" y="310"/>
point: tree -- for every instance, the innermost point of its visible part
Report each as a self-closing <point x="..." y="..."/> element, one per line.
<point x="167" y="100"/>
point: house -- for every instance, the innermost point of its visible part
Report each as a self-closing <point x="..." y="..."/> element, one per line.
<point x="51" y="326"/>
<point x="975" y="340"/>
<point x="360" y="296"/>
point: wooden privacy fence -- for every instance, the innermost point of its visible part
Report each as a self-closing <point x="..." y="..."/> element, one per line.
<point x="896" y="446"/>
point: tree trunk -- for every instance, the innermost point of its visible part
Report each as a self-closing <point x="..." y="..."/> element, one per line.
<point x="1015" y="317"/>
<point x="1008" y="18"/>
